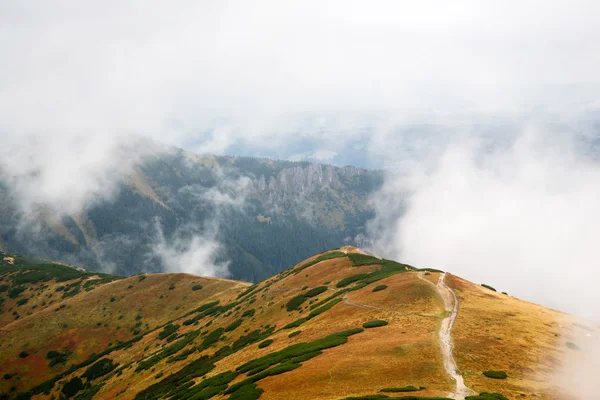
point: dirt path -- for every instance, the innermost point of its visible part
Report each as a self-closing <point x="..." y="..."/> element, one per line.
<point x="446" y="347"/>
<point x="451" y="306"/>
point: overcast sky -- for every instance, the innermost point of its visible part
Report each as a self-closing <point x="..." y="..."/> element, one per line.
<point x="77" y="77"/>
<point x="175" y="69"/>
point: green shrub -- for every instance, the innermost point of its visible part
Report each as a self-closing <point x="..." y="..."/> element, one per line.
<point x="495" y="374"/>
<point x="350" y="279"/>
<point x="315" y="291"/>
<point x="72" y="291"/>
<point x="182" y="355"/>
<point x="304" y="357"/>
<point x="196" y="287"/>
<point x="46" y="386"/>
<point x="73" y="386"/>
<point x="264" y="344"/>
<point x="323" y="308"/>
<point x="388" y="267"/>
<point x="141" y="277"/>
<point x="248" y="313"/>
<point x="3" y="288"/>
<point x="172" y="337"/>
<point x="328" y="298"/>
<point x="247" y="392"/>
<point x="167" y="351"/>
<point x="205" y="310"/>
<point x="112" y="299"/>
<point x="179" y="381"/>
<point x="261" y="364"/>
<point x="249" y="290"/>
<point x="23" y="354"/>
<point x="324" y="257"/>
<point x="430" y="270"/>
<point x="52" y="353"/>
<point x="22" y="301"/>
<point x="252" y="337"/>
<point x="401" y="389"/>
<point x="15" y="291"/>
<point x="375" y="323"/>
<point x="487" y="396"/>
<point x="89" y="392"/>
<point x="379" y="288"/>
<point x="206" y="389"/>
<point x="276" y="370"/>
<point x="295" y="302"/>
<point x="100" y="368"/>
<point x="488" y="287"/>
<point x="572" y="346"/>
<point x="293" y="334"/>
<point x="168" y="330"/>
<point x="212" y="338"/>
<point x="57" y="357"/>
<point x="296" y="323"/>
<point x="314" y="313"/>
<point x="8" y="376"/>
<point x="234" y="325"/>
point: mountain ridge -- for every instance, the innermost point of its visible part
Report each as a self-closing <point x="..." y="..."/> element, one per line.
<point x="186" y="333"/>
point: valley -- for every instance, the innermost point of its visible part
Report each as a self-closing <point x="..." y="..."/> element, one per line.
<point x="241" y="212"/>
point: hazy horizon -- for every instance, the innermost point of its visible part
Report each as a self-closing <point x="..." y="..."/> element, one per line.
<point x="484" y="115"/>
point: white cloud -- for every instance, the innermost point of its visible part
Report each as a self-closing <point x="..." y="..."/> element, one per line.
<point x="323" y="155"/>
<point x="521" y="218"/>
<point x="175" y="70"/>
<point x="63" y="172"/>
<point x="320" y="155"/>
<point x="580" y="367"/>
<point x="78" y="79"/>
<point x="197" y="249"/>
<point x="194" y="254"/>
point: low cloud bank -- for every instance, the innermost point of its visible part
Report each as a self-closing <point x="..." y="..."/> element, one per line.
<point x="194" y="254"/>
<point x="196" y="249"/>
<point x="522" y="217"/>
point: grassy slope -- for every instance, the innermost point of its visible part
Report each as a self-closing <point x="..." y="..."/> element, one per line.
<point x="404" y="352"/>
<point x="512" y="335"/>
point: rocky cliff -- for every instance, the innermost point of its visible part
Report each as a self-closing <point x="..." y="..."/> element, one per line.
<point x="173" y="198"/>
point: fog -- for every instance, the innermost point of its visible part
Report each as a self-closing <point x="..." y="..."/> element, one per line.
<point x="522" y="218"/>
<point x="513" y="206"/>
<point x="79" y="79"/>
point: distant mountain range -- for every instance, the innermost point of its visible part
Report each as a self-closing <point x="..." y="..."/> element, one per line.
<point x="265" y="214"/>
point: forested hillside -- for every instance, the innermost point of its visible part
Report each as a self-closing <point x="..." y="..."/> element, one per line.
<point x="264" y="214"/>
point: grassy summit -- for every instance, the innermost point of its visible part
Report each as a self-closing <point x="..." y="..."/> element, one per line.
<point x="298" y="334"/>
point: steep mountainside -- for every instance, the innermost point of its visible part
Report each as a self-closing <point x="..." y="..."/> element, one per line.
<point x="338" y="325"/>
<point x="167" y="196"/>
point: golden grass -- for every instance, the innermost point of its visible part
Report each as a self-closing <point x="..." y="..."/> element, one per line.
<point x="404" y="352"/>
<point x="494" y="331"/>
<point x="75" y="327"/>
